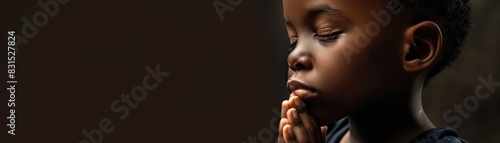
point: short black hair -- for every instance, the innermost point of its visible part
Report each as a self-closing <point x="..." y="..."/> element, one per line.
<point x="457" y="14"/>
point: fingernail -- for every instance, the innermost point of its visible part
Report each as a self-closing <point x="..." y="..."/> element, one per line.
<point x="294" y="114"/>
<point x="297" y="102"/>
<point x="290" y="131"/>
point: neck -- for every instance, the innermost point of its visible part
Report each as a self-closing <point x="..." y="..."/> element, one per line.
<point x="396" y="118"/>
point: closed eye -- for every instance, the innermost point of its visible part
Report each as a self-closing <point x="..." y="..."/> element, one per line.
<point x="328" y="37"/>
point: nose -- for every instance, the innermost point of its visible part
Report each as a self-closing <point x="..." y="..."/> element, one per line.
<point x="300" y="58"/>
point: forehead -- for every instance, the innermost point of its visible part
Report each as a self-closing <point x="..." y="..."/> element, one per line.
<point x="358" y="11"/>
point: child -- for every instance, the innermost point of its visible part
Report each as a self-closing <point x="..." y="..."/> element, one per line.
<point x="367" y="61"/>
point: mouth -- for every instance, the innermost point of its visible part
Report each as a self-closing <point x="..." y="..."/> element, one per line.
<point x="301" y="89"/>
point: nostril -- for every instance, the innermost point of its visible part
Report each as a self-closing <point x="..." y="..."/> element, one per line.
<point x="300" y="59"/>
<point x="299" y="66"/>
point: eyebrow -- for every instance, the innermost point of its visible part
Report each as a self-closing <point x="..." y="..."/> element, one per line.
<point x="315" y="11"/>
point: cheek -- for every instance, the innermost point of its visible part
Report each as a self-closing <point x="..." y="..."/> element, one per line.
<point x="349" y="85"/>
<point x="340" y="74"/>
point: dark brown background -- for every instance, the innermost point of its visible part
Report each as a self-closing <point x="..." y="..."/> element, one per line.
<point x="225" y="77"/>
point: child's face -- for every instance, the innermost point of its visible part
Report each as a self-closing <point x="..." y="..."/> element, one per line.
<point x="324" y="32"/>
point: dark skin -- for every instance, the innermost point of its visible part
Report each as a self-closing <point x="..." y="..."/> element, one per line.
<point x="379" y="88"/>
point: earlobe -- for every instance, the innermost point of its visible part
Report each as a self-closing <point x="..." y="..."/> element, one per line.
<point x="422" y="46"/>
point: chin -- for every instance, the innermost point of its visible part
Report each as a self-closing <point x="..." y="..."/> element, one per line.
<point x="324" y="117"/>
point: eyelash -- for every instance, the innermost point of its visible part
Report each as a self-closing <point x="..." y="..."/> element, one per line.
<point x="328" y="37"/>
<point x="322" y="38"/>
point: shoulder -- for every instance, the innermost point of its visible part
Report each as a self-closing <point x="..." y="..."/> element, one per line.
<point x="441" y="135"/>
<point x="436" y="135"/>
<point x="337" y="130"/>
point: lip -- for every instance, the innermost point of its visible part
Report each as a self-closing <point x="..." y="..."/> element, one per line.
<point x="301" y="89"/>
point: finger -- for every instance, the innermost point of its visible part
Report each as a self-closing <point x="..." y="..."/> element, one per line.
<point x="323" y="131"/>
<point x="283" y="122"/>
<point x="288" y="134"/>
<point x="293" y="117"/>
<point x="295" y="102"/>
<point x="284" y="108"/>
<point x="300" y="133"/>
<point x="307" y="121"/>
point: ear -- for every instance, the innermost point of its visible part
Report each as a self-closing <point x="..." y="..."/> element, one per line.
<point x="422" y="46"/>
